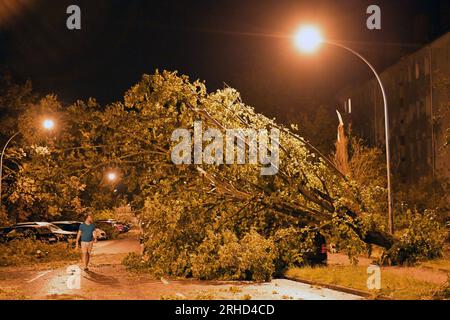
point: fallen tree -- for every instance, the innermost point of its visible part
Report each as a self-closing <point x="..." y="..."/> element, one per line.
<point x="188" y="203"/>
<point x="201" y="220"/>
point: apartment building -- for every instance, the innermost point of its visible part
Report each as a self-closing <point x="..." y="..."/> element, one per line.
<point x="418" y="94"/>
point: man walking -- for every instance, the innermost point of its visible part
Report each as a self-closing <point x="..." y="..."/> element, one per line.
<point x="86" y="233"/>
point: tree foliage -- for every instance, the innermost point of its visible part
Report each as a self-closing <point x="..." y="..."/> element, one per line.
<point x="189" y="202"/>
<point x="196" y="218"/>
<point x="421" y="240"/>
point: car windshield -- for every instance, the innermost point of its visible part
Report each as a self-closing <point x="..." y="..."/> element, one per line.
<point x="54" y="228"/>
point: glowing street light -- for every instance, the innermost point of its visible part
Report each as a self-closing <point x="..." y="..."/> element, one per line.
<point x="48" y="124"/>
<point x="112" y="176"/>
<point x="308" y="39"/>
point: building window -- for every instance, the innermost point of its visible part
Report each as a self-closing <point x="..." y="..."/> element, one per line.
<point x="426" y="66"/>
<point x="417" y="70"/>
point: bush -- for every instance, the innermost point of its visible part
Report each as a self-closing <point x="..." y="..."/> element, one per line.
<point x="293" y="247"/>
<point x="220" y="256"/>
<point x="225" y="257"/>
<point x="212" y="252"/>
<point x="422" y="239"/>
<point x="134" y="262"/>
<point x="444" y="291"/>
<point x="3" y="217"/>
<point x="24" y="252"/>
<point x="111" y="232"/>
<point x="258" y="256"/>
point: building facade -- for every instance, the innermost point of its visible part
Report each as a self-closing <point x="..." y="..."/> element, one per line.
<point x="418" y="94"/>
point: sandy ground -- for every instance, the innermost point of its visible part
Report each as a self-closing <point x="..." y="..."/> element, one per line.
<point x="108" y="279"/>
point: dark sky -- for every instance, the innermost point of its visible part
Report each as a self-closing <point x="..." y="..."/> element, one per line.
<point x="210" y="40"/>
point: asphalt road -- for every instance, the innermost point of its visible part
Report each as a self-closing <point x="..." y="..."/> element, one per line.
<point x="108" y="279"/>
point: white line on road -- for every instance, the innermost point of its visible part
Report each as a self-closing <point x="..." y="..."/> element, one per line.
<point x="39" y="276"/>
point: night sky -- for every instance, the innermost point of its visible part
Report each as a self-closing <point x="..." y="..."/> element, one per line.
<point x="214" y="40"/>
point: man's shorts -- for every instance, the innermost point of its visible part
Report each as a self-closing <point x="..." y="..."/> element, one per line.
<point x="86" y="247"/>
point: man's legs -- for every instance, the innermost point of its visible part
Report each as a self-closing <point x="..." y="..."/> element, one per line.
<point x="85" y="260"/>
<point x="86" y="248"/>
<point x="88" y="256"/>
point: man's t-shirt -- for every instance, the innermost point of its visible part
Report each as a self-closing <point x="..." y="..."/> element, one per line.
<point x="87" y="232"/>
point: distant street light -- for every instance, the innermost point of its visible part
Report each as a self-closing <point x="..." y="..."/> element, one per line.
<point x="308" y="39"/>
<point x="47" y="124"/>
<point x="112" y="176"/>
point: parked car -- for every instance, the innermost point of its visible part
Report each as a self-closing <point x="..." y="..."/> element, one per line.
<point x="62" y="234"/>
<point x="35" y="232"/>
<point x="119" y="227"/>
<point x="73" y="226"/>
<point x="100" y="234"/>
<point x="3" y="232"/>
<point x="126" y="227"/>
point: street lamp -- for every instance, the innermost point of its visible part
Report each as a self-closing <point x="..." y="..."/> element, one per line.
<point x="112" y="176"/>
<point x="308" y="39"/>
<point x="47" y="124"/>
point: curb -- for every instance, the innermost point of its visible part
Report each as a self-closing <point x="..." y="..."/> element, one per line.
<point x="356" y="292"/>
<point x="435" y="269"/>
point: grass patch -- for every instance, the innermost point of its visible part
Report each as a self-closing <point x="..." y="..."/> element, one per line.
<point x="393" y="284"/>
<point x="29" y="252"/>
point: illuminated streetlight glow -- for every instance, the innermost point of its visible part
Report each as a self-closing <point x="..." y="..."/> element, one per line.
<point x="112" y="176"/>
<point x="308" y="39"/>
<point x="48" y="124"/>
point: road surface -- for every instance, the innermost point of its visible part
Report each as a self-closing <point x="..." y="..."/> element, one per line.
<point x="108" y="279"/>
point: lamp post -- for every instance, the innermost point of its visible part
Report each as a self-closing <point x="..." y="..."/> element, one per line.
<point x="308" y="39"/>
<point x="47" y="124"/>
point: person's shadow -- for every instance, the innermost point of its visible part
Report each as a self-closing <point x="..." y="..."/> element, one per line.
<point x="101" y="279"/>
